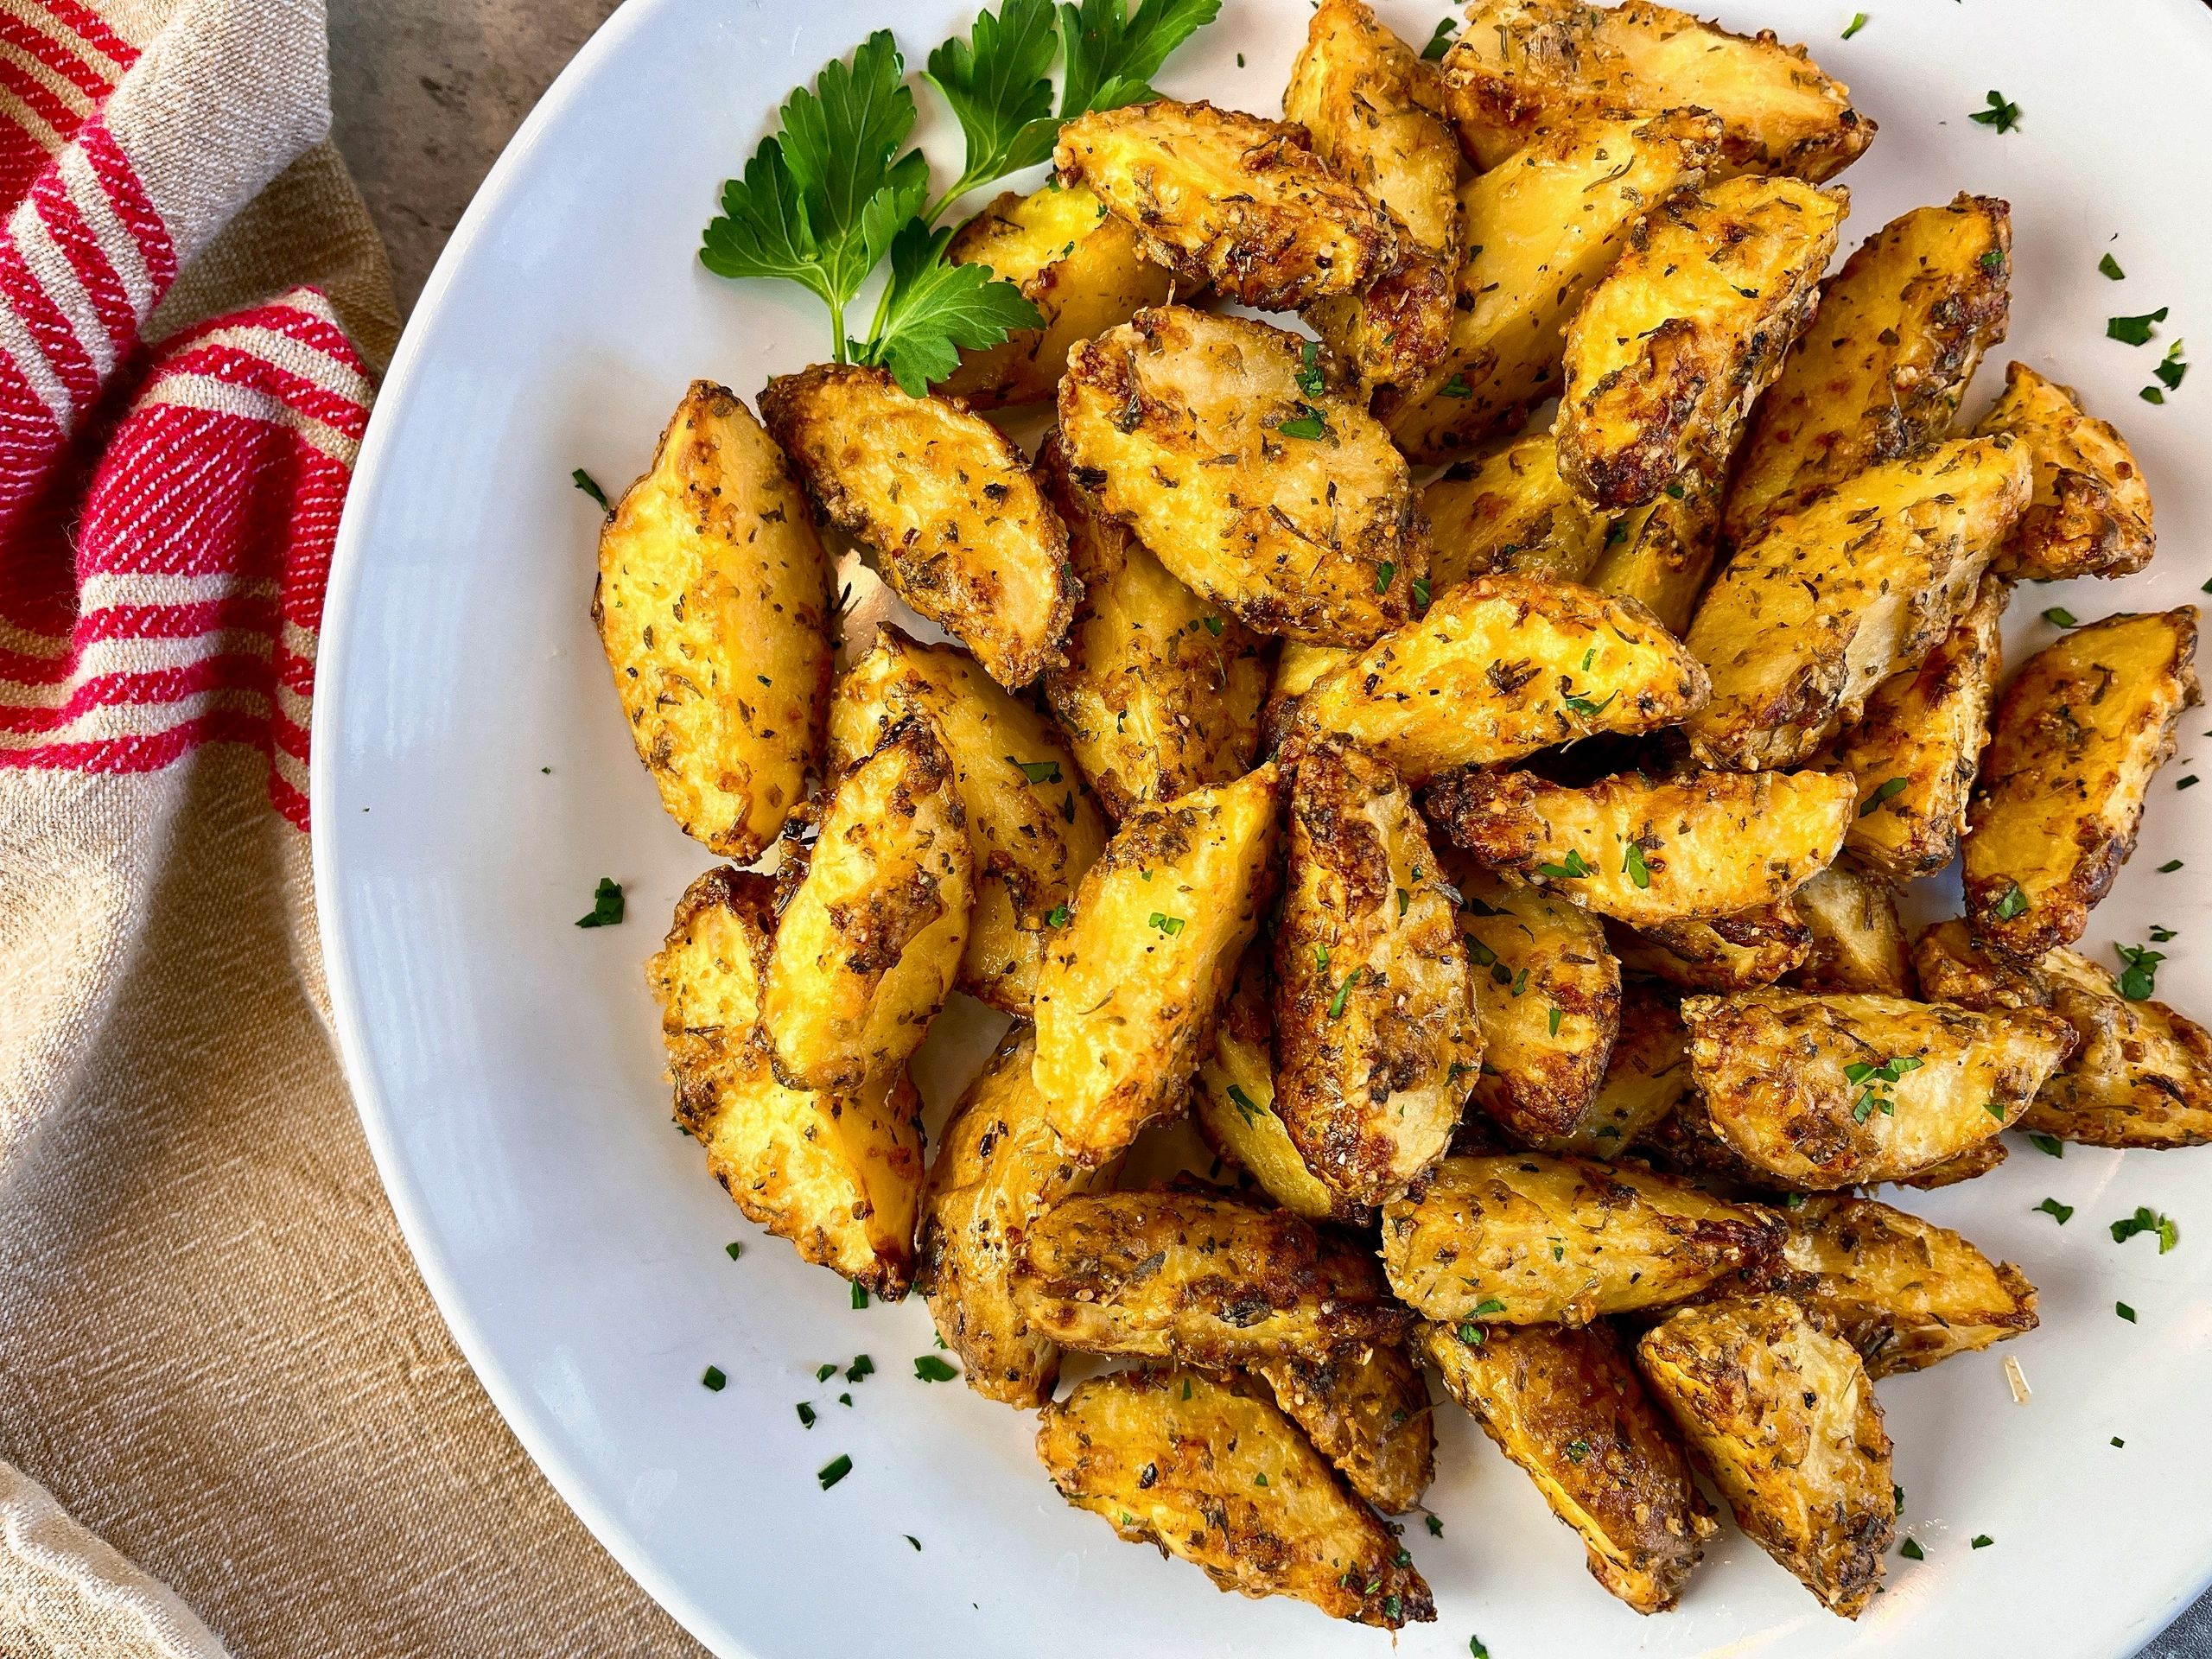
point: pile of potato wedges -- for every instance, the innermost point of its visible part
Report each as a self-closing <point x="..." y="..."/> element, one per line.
<point x="1498" y="865"/>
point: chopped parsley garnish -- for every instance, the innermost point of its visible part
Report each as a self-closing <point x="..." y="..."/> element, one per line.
<point x="1476" y="1648"/>
<point x="1457" y="386"/>
<point x="1857" y="21"/>
<point x="1981" y="1541"/>
<point x="2169" y="867"/>
<point x="929" y="1369"/>
<point x="2110" y="266"/>
<point x="1440" y="41"/>
<point x="1213" y="627"/>
<point x="1487" y="1305"/>
<point x="2048" y="1143"/>
<point x="1306" y="424"/>
<point x="1421" y="592"/>
<point x="2162" y="935"/>
<point x="1570" y="869"/>
<point x="734" y="1250"/>
<point x="1993" y="1109"/>
<point x="911" y="1539"/>
<point x="1885" y="791"/>
<point x="2059" y="617"/>
<point x="1405" y="898"/>
<point x="1554" y="1019"/>
<point x="2171" y="369"/>
<point x="1912" y="1551"/>
<point x="2061" y="1213"/>
<point x="1247" y="1108"/>
<point x="2116" y="1441"/>
<point x="2147" y="1220"/>
<point x="1309" y="370"/>
<point x="2134" y="331"/>
<point x="860" y="1295"/>
<point x="823" y="1373"/>
<point x="2125" y="1311"/>
<point x="1635" y="868"/>
<point x="805" y="1410"/>
<point x="1057" y="916"/>
<point x="716" y="1379"/>
<point x="584" y="481"/>
<point x="1067" y="806"/>
<point x="606" y="905"/>
<point x="1436" y="1527"/>
<point x="2001" y="113"/>
<point x="2152" y="394"/>
<point x="861" y="1366"/>
<point x="1171" y="926"/>
<point x="1259" y="1480"/>
<point x="1037" y="772"/>
<point x="1577" y="1450"/>
<point x="1583" y="706"/>
<point x="1873" y="1084"/>
<point x="1384" y="573"/>
<point x="1897" y="1498"/>
<point x="1994" y="260"/>
<point x="2140" y="978"/>
<point x="2014" y="903"/>
<point x="1337" y="1002"/>
<point x="2185" y="783"/>
<point x="834" y="1471"/>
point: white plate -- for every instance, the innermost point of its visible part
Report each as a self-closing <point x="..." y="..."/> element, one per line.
<point x="508" y="1066"/>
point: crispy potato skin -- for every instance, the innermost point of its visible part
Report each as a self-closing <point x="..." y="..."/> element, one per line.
<point x="1969" y="1165"/>
<point x="1545" y="228"/>
<point x="2078" y="734"/>
<point x="1030" y="841"/>
<point x="1917" y="746"/>
<point x="1160" y="692"/>
<point x="1902" y="329"/>
<point x="871" y="941"/>
<point x="1520" y="66"/>
<point x="712" y="601"/>
<point x="1661" y="555"/>
<point x="1204" y="860"/>
<point x="1826" y="604"/>
<point x="1081" y="268"/>
<point x="1770" y="1067"/>
<point x="1374" y="1008"/>
<point x="1175" y="422"/>
<point x="1718" y="953"/>
<point x="1198" y="1275"/>
<point x="1785" y="1418"/>
<point x="2091" y="514"/>
<point x="1858" y="943"/>
<point x="2142" y="1076"/>
<point x="1671" y="349"/>
<point x="1524" y="1238"/>
<point x="1547" y="1002"/>
<point x="945" y="498"/>
<point x="1568" y="1407"/>
<point x="1902" y="1291"/>
<point x="840" y="1175"/>
<point x="1177" y="1459"/>
<point x="1508" y="509"/>
<point x="1367" y="1411"/>
<point x="1646" y="851"/>
<point x="1645" y="1078"/>
<point x="1222" y="197"/>
<point x="998" y="1167"/>
<point x="1485" y="676"/>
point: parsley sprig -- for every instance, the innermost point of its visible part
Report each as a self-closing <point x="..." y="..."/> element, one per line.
<point x="1874" y="1082"/>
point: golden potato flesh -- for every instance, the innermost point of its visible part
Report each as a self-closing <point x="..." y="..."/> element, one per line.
<point x="1508" y="509"/>
<point x="1784" y="1418"/>
<point x="1222" y="197"/>
<point x="1567" y="1407"/>
<point x="1671" y="349"/>
<point x="1916" y="746"/>
<point x="1661" y="555"/>
<point x="1902" y="1291"/>
<point x="1219" y="1477"/>
<point x="1902" y="329"/>
<point x="871" y="942"/>
<point x="1375" y="1039"/>
<point x="1547" y="1002"/>
<point x="1297" y="667"/>
<point x="1650" y="851"/>
<point x="1198" y="1275"/>
<point x="1081" y="268"/>
<point x="1503" y="666"/>
<point x="712" y="603"/>
<point x="1541" y="230"/>
<point x="2091" y="514"/>
<point x="998" y="1167"/>
<point x="1160" y="692"/>
<point x="1367" y="1411"/>
<point x="1521" y="66"/>
<point x="1718" y="953"/>
<point x="1645" y="1078"/>
<point x="1127" y="997"/>
<point x="840" y="1175"/>
<point x="1219" y="441"/>
<point x="2142" y="1076"/>
<point x="1032" y="830"/>
<point x="1525" y="1238"/>
<point x="947" y="502"/>
<point x="1823" y="1091"/>
<point x="1858" y="943"/>
<point x="1827" y="603"/>
<point x="2077" y="737"/>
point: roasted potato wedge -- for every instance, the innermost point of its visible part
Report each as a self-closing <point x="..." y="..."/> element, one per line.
<point x="1366" y="1411"/>
<point x="998" y="1167"/>
<point x="1675" y="343"/>
<point x="1548" y="1004"/>
<point x="1270" y="491"/>
<point x="1916" y="746"/>
<point x="871" y="942"/>
<point x="1650" y="851"/>
<point x="1127" y="997"/>
<point x="713" y="603"/>
<point x="1902" y="329"/>
<point x="1032" y="830"/>
<point x="1826" y="604"/>
<point x="1568" y="1407"/>
<point x="1543" y="229"/>
<point x="1160" y="693"/>
<point x="1858" y="943"/>
<point x="1213" y="1473"/>
<point x="1500" y="667"/>
<point x="1222" y="197"/>
<point x="1521" y="66"/>
<point x="1969" y="1165"/>
<point x="1645" y="1079"/>
<point x="1081" y="268"/>
<point x="1202" y="1276"/>
<point x="1785" y="1417"/>
<point x="1508" y="509"/>
<point x="1661" y="555"/>
<point x="2091" y="514"/>
<point x="1524" y="1238"/>
<point x="1297" y="667"/>
<point x="1375" y="1037"/>
<point x="2078" y="734"/>
<point x="1904" y="1292"/>
<point x="1718" y="953"/>
<point x="947" y="502"/>
<point x="1823" y="1091"/>
<point x="2142" y="1076"/>
<point x="840" y="1175"/>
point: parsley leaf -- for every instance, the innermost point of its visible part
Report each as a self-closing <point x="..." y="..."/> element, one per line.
<point x="1857" y="21"/>
<point x="2001" y="113"/>
<point x="1440" y="41"/>
<point x="2147" y="1220"/>
<point x="1457" y="386"/>
<point x="2140" y="978"/>
<point x="1306" y="424"/>
<point x="584" y="481"/>
<point x="1112" y="53"/>
<point x="1247" y="1108"/>
<point x="2134" y="331"/>
<point x="1037" y="772"/>
<point x="2050" y="1145"/>
<point x="929" y="1369"/>
<point x="2171" y="370"/>
<point x="2014" y="903"/>
<point x="1309" y="370"/>
<point x="998" y="82"/>
<point x="834" y="1471"/>
<point x="1635" y="868"/>
<point x="2110" y="266"/>
<point x="1171" y="926"/>
<point x="2062" y="1213"/>
<point x="2059" y="617"/>
<point x="933" y="309"/>
<point x="2125" y="1311"/>
<point x="1885" y="791"/>
<point x="606" y="905"/>
<point x="1573" y="866"/>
